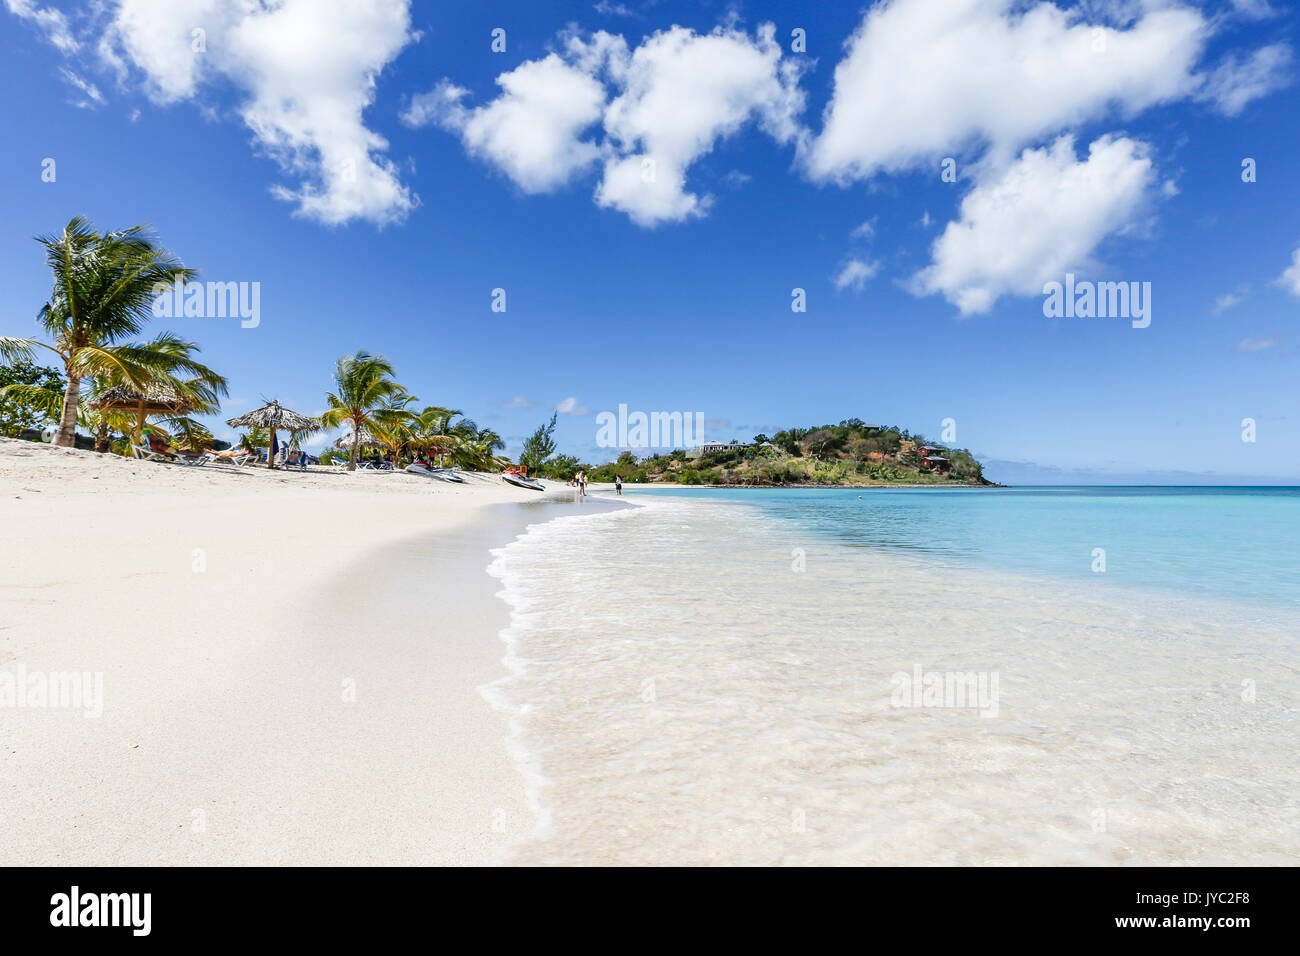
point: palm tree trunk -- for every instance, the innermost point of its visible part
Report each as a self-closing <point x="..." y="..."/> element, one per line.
<point x="101" y="434"/>
<point x="356" y="440"/>
<point x="138" y="437"/>
<point x="67" y="433"/>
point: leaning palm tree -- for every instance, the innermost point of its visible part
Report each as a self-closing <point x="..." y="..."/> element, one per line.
<point x="479" y="451"/>
<point x="365" y="385"/>
<point x="104" y="286"/>
<point x="448" y="433"/>
<point x="480" y="456"/>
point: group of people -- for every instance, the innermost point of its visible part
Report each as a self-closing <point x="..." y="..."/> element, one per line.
<point x="579" y="482"/>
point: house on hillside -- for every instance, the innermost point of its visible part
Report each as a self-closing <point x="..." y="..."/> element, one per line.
<point x="936" y="463"/>
<point x="708" y="447"/>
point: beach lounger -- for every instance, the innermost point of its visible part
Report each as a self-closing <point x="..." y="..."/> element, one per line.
<point x="148" y="454"/>
<point x="145" y="453"/>
<point x="238" y="456"/>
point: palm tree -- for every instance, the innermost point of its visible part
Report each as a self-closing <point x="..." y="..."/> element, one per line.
<point x="158" y="359"/>
<point x="392" y="424"/>
<point x="484" y="447"/>
<point x="432" y="430"/>
<point x="365" y="385"/>
<point x="468" y="445"/>
<point x="104" y="286"/>
<point x="480" y="456"/>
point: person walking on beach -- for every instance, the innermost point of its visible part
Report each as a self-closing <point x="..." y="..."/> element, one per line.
<point x="582" y="483"/>
<point x="618" y="485"/>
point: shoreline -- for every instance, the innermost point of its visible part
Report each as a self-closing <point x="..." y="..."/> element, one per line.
<point x="511" y="667"/>
<point x="880" y="485"/>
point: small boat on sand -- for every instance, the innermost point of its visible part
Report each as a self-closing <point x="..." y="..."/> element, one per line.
<point x="523" y="481"/>
<point x="444" y="474"/>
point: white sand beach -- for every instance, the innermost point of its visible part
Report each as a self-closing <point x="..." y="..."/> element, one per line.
<point x="272" y="693"/>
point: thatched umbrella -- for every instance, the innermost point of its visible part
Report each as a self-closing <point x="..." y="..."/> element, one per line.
<point x="274" y="417"/>
<point x="366" y="439"/>
<point x="152" y="400"/>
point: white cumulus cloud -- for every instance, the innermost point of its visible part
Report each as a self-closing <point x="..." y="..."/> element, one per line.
<point x="307" y="71"/>
<point x="922" y="79"/>
<point x="644" y="115"/>
<point x="1042" y="217"/>
<point x="533" y="131"/>
<point x="681" y="93"/>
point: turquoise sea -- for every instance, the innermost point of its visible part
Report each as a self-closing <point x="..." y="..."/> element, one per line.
<point x="1237" y="543"/>
<point x="909" y="676"/>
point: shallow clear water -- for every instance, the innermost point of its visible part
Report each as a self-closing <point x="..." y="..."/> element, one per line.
<point x="1239" y="543"/>
<point x="720" y="681"/>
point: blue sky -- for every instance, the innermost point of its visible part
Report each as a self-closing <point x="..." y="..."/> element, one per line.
<point x="678" y="296"/>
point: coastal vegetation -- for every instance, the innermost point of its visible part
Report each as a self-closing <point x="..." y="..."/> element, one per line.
<point x="26" y="390"/>
<point x="851" y="452"/>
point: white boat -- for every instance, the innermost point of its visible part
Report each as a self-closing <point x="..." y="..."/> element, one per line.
<point x="445" y="474"/>
<point x="523" y="481"/>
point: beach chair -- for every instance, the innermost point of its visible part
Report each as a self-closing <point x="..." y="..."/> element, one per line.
<point x="236" y="456"/>
<point x="145" y="453"/>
